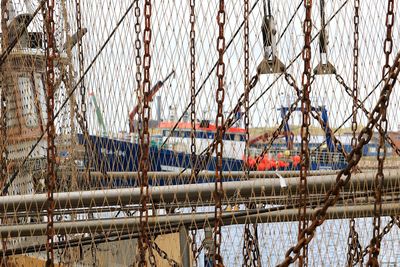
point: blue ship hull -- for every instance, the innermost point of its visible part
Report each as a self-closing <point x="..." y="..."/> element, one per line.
<point x="112" y="155"/>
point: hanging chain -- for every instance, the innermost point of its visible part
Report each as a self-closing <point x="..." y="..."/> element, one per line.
<point x="3" y="116"/>
<point x="361" y="106"/>
<point x="305" y="134"/>
<point x="250" y="250"/>
<point x="246" y="103"/>
<point x="193" y="115"/>
<point x="193" y="87"/>
<point x="355" y="75"/>
<point x="354" y="247"/>
<point x="315" y="114"/>
<point x="51" y="150"/>
<point x="144" y="242"/>
<point x="138" y="61"/>
<point x="164" y="255"/>
<point x="219" y="123"/>
<point x="81" y="117"/>
<point x="355" y="155"/>
<point x="382" y="234"/>
<point x="383" y="124"/>
<point x="250" y="244"/>
<point x="4" y="85"/>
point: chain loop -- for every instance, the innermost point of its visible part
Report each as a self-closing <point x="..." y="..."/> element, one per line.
<point x="164" y="255"/>
<point x="382" y="234"/>
<point x="144" y="242"/>
<point x="333" y="194"/>
<point x="50" y="47"/>
<point x="354" y="247"/>
<point x="81" y="118"/>
<point x="361" y="106"/>
<point x="193" y="88"/>
<point x="4" y="84"/>
<point x="305" y="134"/>
<point x="3" y="115"/>
<point x="219" y="123"/>
<point x="375" y="242"/>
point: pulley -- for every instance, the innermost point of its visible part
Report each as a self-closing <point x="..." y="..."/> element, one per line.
<point x="324" y="66"/>
<point x="270" y="63"/>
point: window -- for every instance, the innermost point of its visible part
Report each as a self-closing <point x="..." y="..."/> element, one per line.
<point x="41" y="95"/>
<point x="29" y="111"/>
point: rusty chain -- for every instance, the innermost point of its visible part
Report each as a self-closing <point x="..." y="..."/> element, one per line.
<point x="383" y="124"/>
<point x="3" y="115"/>
<point x="354" y="247"/>
<point x="305" y="134"/>
<point x="138" y="61"/>
<point x="193" y="115"/>
<point x="81" y="117"/>
<point x="4" y="84"/>
<point x="144" y="242"/>
<point x="315" y="114"/>
<point x="355" y="74"/>
<point x="361" y="106"/>
<point x="355" y="155"/>
<point x="193" y="88"/>
<point x="51" y="150"/>
<point x="248" y="245"/>
<point x="250" y="250"/>
<point x="164" y="255"/>
<point x="219" y="123"/>
<point x="382" y="234"/>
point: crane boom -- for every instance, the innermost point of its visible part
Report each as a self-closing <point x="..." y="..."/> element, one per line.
<point x="99" y="115"/>
<point x="149" y="96"/>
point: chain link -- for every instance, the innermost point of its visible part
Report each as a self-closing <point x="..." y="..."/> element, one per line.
<point x="250" y="250"/>
<point x="81" y="117"/>
<point x="382" y="234"/>
<point x="138" y="61"/>
<point x="4" y="85"/>
<point x="250" y="244"/>
<point x="193" y="87"/>
<point x="51" y="150"/>
<point x="3" y="116"/>
<point x="193" y="115"/>
<point x="305" y="134"/>
<point x="361" y="106"/>
<point x="144" y="242"/>
<point x="354" y="247"/>
<point x="315" y="114"/>
<point x="355" y="75"/>
<point x="383" y="124"/>
<point x="354" y="251"/>
<point x="355" y="155"/>
<point x="219" y="123"/>
<point x="164" y="255"/>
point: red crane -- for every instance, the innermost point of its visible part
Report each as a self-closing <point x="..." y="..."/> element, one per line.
<point x="149" y="96"/>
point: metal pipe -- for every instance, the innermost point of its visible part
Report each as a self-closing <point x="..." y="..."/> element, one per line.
<point x="189" y="192"/>
<point x="210" y="174"/>
<point x="159" y="222"/>
<point x="184" y="246"/>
